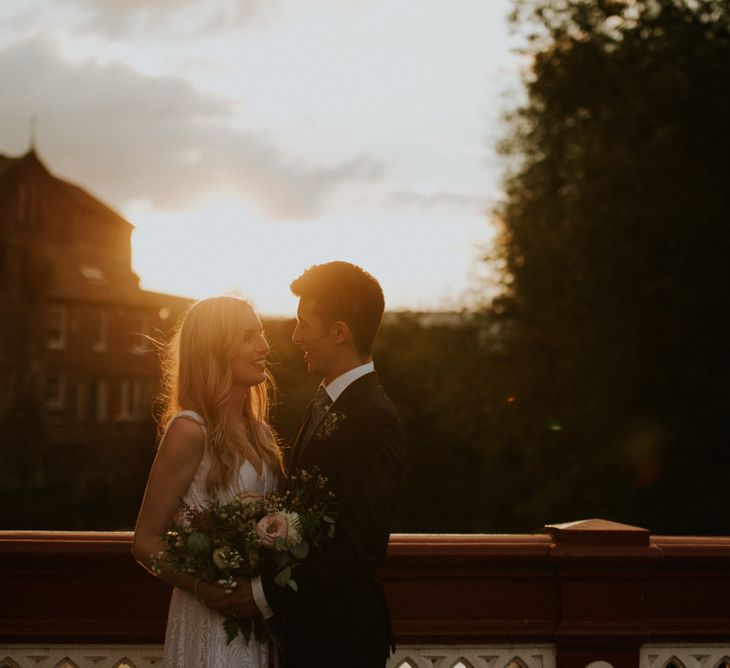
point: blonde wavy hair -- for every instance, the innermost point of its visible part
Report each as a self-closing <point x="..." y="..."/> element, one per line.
<point x="197" y="375"/>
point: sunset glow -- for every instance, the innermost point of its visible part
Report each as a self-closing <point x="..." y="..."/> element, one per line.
<point x="246" y="141"/>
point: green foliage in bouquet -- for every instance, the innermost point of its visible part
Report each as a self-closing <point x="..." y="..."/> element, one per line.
<point x="225" y="541"/>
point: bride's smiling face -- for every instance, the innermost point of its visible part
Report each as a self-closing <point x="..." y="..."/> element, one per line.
<point x="248" y="365"/>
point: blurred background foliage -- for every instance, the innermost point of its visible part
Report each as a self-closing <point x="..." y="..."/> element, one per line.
<point x="616" y="236"/>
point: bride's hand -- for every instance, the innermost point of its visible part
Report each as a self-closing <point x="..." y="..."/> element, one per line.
<point x="209" y="593"/>
<point x="239" y="603"/>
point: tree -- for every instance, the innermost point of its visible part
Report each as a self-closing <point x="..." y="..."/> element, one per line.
<point x="617" y="245"/>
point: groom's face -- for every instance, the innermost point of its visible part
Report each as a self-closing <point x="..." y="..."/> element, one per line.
<point x="314" y="338"/>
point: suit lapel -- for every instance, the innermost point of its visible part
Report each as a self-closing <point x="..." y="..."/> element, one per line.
<point x="354" y="393"/>
<point x="299" y="443"/>
<point x="351" y="396"/>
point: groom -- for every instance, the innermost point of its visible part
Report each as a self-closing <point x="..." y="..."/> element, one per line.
<point x="338" y="618"/>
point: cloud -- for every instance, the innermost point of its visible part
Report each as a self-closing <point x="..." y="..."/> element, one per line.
<point x="439" y="198"/>
<point x="130" y="137"/>
<point x="182" y="18"/>
<point x="174" y="20"/>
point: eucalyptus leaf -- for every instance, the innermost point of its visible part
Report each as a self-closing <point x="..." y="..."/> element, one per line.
<point x="300" y="550"/>
<point x="293" y="585"/>
<point x="282" y="577"/>
<point x="245" y="626"/>
<point x="281" y="559"/>
<point x="199" y="545"/>
<point x="231" y="627"/>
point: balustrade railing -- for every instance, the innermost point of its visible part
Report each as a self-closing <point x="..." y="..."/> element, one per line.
<point x="586" y="593"/>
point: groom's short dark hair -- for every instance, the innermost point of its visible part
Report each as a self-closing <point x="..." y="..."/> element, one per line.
<point x="344" y="291"/>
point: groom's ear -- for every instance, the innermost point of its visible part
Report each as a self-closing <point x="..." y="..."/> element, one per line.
<point x="341" y="331"/>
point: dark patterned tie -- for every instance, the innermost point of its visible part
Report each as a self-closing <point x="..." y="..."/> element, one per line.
<point x="320" y="403"/>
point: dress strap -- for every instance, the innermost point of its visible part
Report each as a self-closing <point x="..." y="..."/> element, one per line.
<point x="196" y="417"/>
<point x="191" y="414"/>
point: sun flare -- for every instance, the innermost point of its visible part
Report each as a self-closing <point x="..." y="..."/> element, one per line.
<point x="221" y="247"/>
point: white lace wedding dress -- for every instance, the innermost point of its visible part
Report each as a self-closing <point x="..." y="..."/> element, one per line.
<point x="195" y="635"/>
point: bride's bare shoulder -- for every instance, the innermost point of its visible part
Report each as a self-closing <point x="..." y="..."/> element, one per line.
<point x="183" y="436"/>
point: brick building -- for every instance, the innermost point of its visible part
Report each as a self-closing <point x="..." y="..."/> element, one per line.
<point x="78" y="372"/>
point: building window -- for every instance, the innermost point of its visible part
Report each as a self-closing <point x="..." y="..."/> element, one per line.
<point x="101" y="333"/>
<point x="57" y="330"/>
<point x="55" y="392"/>
<point x="92" y="274"/>
<point x="131" y="400"/>
<point x="76" y="402"/>
<point x="98" y="401"/>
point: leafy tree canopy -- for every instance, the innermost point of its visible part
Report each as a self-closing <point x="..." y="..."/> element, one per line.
<point x="616" y="243"/>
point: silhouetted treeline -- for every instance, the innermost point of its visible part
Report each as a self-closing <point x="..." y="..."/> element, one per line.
<point x="616" y="264"/>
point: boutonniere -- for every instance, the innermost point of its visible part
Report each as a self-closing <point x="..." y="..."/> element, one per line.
<point x="330" y="424"/>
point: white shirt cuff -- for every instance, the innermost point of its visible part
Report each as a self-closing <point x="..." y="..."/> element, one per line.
<point x="260" y="598"/>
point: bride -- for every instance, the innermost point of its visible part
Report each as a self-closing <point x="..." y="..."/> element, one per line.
<point x="216" y="444"/>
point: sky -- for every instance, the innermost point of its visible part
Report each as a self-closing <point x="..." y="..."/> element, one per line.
<point x="249" y="139"/>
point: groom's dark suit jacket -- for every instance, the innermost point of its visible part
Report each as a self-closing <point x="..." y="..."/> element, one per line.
<point x="339" y="617"/>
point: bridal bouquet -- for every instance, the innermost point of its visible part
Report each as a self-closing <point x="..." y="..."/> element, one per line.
<point x="224" y="541"/>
